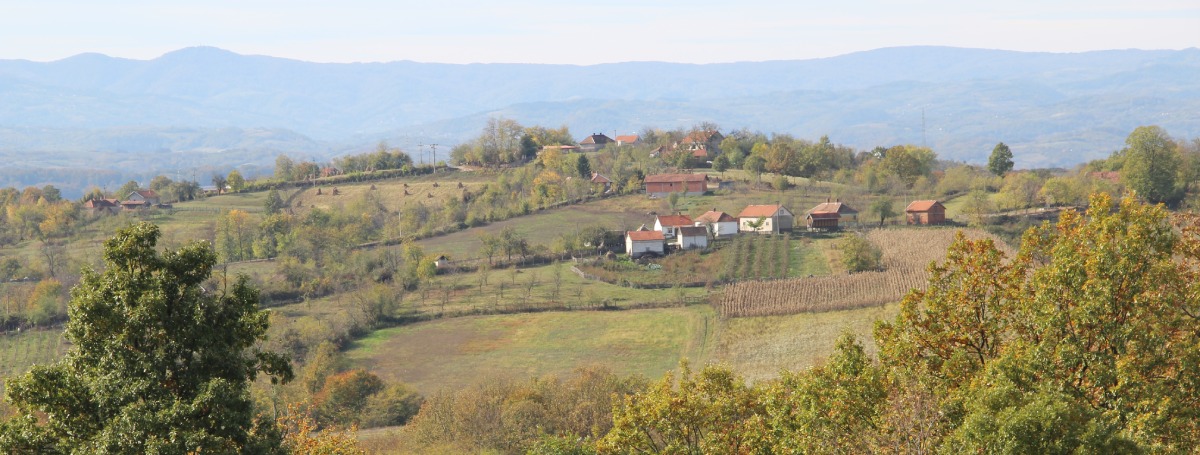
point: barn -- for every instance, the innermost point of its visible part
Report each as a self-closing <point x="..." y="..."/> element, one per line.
<point x="829" y="215"/>
<point x="660" y="185"/>
<point x="926" y="212"/>
<point x="692" y="237"/>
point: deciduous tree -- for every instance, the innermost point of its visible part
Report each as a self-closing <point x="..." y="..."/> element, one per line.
<point x="1151" y="164"/>
<point x="157" y="363"/>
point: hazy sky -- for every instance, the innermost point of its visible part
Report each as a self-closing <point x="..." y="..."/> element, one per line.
<point x="559" y="31"/>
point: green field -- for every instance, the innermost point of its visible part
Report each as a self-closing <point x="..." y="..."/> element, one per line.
<point x="452" y="353"/>
<point x="457" y="352"/>
<point x="759" y="347"/>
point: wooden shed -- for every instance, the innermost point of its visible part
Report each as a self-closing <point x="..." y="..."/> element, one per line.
<point x="926" y="212"/>
<point x="828" y="215"/>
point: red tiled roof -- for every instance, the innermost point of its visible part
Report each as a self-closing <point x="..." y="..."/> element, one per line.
<point x="641" y="236"/>
<point x="147" y="193"/>
<point x="713" y="216"/>
<point x="596" y="139"/>
<point x="699" y="136"/>
<point x="627" y="139"/>
<point x="756" y="211"/>
<point x="675" y="220"/>
<point x="597" y="178"/>
<point x="824" y="216"/>
<point x="675" y="178"/>
<point x="922" y="206"/>
<point x="832" y="207"/>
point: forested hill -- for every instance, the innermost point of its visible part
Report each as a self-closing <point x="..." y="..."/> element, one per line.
<point x="1053" y="109"/>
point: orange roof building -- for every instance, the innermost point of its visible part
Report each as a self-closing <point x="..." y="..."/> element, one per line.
<point x="642" y="243"/>
<point x="829" y="215"/>
<point x="765" y="219"/>
<point x="925" y="212"/>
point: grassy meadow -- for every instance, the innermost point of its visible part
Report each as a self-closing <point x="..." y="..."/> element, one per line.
<point x="460" y="351"/>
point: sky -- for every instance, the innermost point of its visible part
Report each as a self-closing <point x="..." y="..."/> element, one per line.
<point x="583" y="33"/>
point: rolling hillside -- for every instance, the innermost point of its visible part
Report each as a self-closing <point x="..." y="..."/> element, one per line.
<point x="205" y="106"/>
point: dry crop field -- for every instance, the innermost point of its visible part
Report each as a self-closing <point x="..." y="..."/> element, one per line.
<point x="906" y="256"/>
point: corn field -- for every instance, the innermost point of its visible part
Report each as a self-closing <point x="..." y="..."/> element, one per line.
<point x="906" y="256"/>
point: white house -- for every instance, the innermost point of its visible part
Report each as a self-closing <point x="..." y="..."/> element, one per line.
<point x="692" y="237"/>
<point x="641" y="243"/>
<point x="720" y="224"/>
<point x="667" y="224"/>
<point x="773" y="218"/>
<point x="149" y="197"/>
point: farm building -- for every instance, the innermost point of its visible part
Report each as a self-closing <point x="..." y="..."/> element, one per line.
<point x="102" y="206"/>
<point x="721" y="224"/>
<point x="601" y="182"/>
<point x="641" y="243"/>
<point x="829" y="215"/>
<point x="595" y="142"/>
<point x="148" y="197"/>
<point x="692" y="237"/>
<point x="667" y="224"/>
<point x="766" y="219"/>
<point x="926" y="212"/>
<point x="661" y="185"/>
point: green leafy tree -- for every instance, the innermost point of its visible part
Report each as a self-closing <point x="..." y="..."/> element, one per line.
<point x="859" y="254"/>
<point x="1084" y="342"/>
<point x="1151" y="164"/>
<point x="274" y="202"/>
<point x="284" y="168"/>
<point x="755" y="164"/>
<point x="721" y="162"/>
<point x="884" y="208"/>
<point x="1001" y="160"/>
<point x="128" y="187"/>
<point x="709" y="412"/>
<point x="236" y="181"/>
<point x="832" y="408"/>
<point x="157" y="363"/>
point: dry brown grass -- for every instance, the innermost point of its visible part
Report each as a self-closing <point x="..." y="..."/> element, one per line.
<point x="906" y="256"/>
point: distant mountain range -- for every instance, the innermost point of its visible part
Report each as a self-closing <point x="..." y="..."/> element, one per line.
<point x="203" y="106"/>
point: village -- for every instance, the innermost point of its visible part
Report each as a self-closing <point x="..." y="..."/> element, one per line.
<point x="680" y="232"/>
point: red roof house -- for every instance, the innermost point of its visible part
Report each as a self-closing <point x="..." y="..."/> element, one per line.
<point x="766" y="219"/>
<point x="641" y="243"/>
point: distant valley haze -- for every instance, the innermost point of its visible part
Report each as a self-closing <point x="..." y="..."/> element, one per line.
<point x="200" y="109"/>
